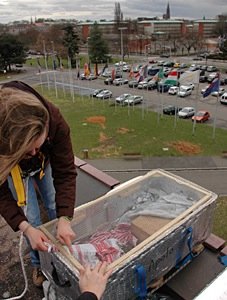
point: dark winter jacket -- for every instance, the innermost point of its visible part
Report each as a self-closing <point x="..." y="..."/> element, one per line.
<point x="58" y="151"/>
<point x="87" y="296"/>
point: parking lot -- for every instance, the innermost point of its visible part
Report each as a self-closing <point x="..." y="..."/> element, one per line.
<point x="155" y="101"/>
<point x="152" y="100"/>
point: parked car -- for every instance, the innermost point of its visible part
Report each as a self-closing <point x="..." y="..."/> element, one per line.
<point x="118" y="74"/>
<point x="126" y="68"/>
<point x="105" y="94"/>
<point x="91" y="77"/>
<point x="171" y="109"/>
<point x="223" y="81"/>
<point x="183" y="65"/>
<point x="120" y="63"/>
<point x="192" y="85"/>
<point x="186" y="112"/>
<point x="152" y="84"/>
<point x="133" y="83"/>
<point x="173" y="90"/>
<point x="211" y="77"/>
<point x="132" y="100"/>
<point x="223" y="99"/>
<point x="108" y="81"/>
<point x="212" y="69"/>
<point x="160" y="62"/>
<point x="218" y="93"/>
<point x="184" y="91"/>
<point x="137" y="68"/>
<point x="120" y="99"/>
<point x="168" y="64"/>
<point x="120" y="81"/>
<point x="153" y="70"/>
<point x="194" y="67"/>
<point x="203" y="68"/>
<point x="164" y="55"/>
<point x="202" y="78"/>
<point x="201" y="116"/>
<point x="176" y="65"/>
<point x="96" y="92"/>
<point x="83" y="76"/>
<point x="162" y="87"/>
<point x="143" y="84"/>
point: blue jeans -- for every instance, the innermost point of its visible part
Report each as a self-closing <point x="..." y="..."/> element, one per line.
<point x="32" y="211"/>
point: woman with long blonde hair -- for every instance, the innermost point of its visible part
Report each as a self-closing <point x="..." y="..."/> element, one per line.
<point x="35" y="154"/>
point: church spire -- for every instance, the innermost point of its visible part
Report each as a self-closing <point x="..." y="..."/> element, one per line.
<point x="168" y="11"/>
<point x="166" y="16"/>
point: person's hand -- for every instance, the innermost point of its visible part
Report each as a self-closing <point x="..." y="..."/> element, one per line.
<point x="94" y="280"/>
<point x="37" y="239"/>
<point x="65" y="234"/>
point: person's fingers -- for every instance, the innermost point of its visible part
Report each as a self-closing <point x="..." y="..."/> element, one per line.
<point x="97" y="267"/>
<point x="108" y="273"/>
<point x="70" y="248"/>
<point x="102" y="267"/>
<point x="61" y="240"/>
<point x="82" y="271"/>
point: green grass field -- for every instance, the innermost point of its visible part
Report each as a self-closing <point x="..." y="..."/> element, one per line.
<point x="220" y="218"/>
<point x="107" y="130"/>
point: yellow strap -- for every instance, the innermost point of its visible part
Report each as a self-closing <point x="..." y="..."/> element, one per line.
<point x="19" y="186"/>
<point x="42" y="157"/>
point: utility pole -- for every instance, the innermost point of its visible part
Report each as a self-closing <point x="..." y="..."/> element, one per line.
<point x="122" y="47"/>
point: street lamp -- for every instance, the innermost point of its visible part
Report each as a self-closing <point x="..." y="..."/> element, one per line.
<point x="88" y="38"/>
<point x="147" y="49"/>
<point x="168" y="47"/>
<point x="122" y="49"/>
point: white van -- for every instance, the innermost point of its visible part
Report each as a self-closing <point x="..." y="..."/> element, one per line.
<point x="173" y="90"/>
<point x="223" y="98"/>
<point x="184" y="91"/>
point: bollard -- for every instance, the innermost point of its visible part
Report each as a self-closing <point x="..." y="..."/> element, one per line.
<point x="85" y="153"/>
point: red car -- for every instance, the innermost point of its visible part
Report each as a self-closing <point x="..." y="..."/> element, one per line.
<point x="201" y="116"/>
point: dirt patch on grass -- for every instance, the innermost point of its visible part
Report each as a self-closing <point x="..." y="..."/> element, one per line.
<point x="103" y="138"/>
<point x="123" y="130"/>
<point x="101" y="120"/>
<point x="185" y="147"/>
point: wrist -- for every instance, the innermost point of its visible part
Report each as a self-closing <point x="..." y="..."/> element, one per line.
<point x="66" y="218"/>
<point x="24" y="226"/>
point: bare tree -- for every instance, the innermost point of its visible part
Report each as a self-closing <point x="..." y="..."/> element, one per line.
<point x="221" y="27"/>
<point x="118" y="14"/>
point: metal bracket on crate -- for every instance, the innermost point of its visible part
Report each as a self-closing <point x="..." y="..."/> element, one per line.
<point x="140" y="285"/>
<point x="223" y="260"/>
<point x="190" y="256"/>
<point x="57" y="280"/>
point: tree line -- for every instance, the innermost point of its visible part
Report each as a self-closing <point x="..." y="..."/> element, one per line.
<point x="62" y="41"/>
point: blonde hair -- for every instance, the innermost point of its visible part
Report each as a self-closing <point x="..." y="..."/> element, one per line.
<point x="23" y="118"/>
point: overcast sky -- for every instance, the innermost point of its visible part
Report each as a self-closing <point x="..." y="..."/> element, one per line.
<point x="15" y="10"/>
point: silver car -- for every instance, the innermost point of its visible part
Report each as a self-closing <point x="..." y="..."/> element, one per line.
<point x="105" y="94"/>
<point x="120" y="99"/>
<point x="186" y="112"/>
<point x="132" y="100"/>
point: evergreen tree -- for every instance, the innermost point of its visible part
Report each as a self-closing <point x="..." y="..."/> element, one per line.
<point x="98" y="49"/>
<point x="12" y="51"/>
<point x="71" y="42"/>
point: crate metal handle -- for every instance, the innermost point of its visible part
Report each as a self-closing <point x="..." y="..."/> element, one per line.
<point x="56" y="279"/>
